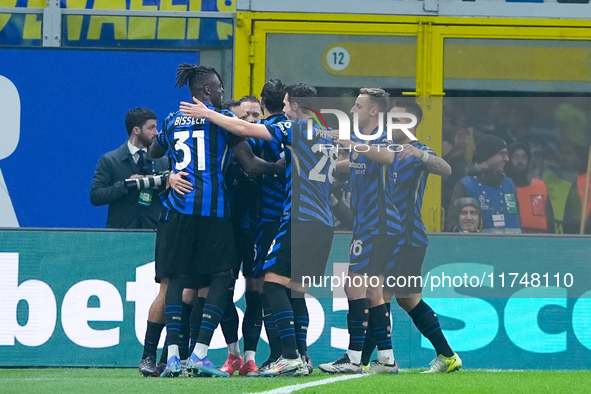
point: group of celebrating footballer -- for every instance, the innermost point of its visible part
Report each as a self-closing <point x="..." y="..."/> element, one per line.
<point x="267" y="206"/>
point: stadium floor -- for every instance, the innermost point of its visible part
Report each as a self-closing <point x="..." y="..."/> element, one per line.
<point x="104" y="380"/>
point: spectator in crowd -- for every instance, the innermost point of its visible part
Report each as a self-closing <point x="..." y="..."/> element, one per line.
<point x="130" y="208"/>
<point x="459" y="157"/>
<point x="560" y="172"/>
<point x="571" y="124"/>
<point x="574" y="204"/>
<point x="535" y="209"/>
<point x="454" y="113"/>
<point x="498" y="116"/>
<point x="469" y="217"/>
<point x="488" y="184"/>
<point x="520" y="122"/>
<point x="539" y="139"/>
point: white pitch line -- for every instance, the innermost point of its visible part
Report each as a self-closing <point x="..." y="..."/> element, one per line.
<point x="296" y="387"/>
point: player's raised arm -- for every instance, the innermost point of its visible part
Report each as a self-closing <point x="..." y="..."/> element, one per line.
<point x="435" y="164"/>
<point x="233" y="125"/>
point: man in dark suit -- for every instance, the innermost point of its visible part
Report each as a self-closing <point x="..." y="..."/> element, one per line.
<point x="130" y="208"/>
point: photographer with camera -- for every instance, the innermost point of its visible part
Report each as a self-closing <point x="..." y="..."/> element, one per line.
<point x="128" y="179"/>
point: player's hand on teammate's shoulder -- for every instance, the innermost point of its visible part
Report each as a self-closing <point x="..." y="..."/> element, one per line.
<point x="178" y="184"/>
<point x="196" y="109"/>
<point x="348" y="144"/>
<point x="334" y="134"/>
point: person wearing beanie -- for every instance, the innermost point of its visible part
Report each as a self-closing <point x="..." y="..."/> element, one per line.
<point x="487" y="183"/>
<point x="487" y="147"/>
<point x="469" y="217"/>
<point x="535" y="208"/>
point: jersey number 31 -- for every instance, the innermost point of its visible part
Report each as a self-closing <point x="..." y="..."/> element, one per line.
<point x="198" y="137"/>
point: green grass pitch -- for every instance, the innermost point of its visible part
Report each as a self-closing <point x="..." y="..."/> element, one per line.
<point x="104" y="380"/>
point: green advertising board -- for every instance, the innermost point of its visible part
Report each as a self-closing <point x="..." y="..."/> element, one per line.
<point x="81" y="298"/>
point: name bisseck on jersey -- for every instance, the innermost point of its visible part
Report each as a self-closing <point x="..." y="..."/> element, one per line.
<point x="188" y="120"/>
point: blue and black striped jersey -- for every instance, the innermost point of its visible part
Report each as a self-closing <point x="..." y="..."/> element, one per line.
<point x="374" y="212"/>
<point x="411" y="180"/>
<point x="310" y="165"/>
<point x="274" y="187"/>
<point x="252" y="200"/>
<point x="201" y="149"/>
<point x="244" y="195"/>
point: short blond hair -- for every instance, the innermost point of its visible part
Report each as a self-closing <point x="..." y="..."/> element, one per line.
<point x="378" y="96"/>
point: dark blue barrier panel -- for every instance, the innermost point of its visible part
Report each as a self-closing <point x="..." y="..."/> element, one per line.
<point x="73" y="105"/>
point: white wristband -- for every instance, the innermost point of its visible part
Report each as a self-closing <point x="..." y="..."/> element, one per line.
<point x="425" y="157"/>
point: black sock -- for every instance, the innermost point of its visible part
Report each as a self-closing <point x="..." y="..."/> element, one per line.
<point x="214" y="306"/>
<point x="379" y="317"/>
<point x="428" y="324"/>
<point x="301" y="320"/>
<point x="185" y="332"/>
<point x="357" y="323"/>
<point x="229" y="321"/>
<point x="196" y="316"/>
<point x="173" y="309"/>
<point x="164" y="354"/>
<point x="283" y="312"/>
<point x="271" y="329"/>
<point x="370" y="343"/>
<point x="153" y="332"/>
<point x="253" y="320"/>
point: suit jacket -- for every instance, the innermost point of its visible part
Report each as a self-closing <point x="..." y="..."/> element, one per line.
<point x="108" y="188"/>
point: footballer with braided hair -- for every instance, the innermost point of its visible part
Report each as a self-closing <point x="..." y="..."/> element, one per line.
<point x="195" y="245"/>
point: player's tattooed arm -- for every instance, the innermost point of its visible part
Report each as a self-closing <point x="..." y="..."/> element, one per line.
<point x="434" y="164"/>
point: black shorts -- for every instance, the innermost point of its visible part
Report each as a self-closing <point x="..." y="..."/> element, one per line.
<point x="300" y="249"/>
<point x="194" y="247"/>
<point x="408" y="263"/>
<point x="370" y="254"/>
<point x="266" y="233"/>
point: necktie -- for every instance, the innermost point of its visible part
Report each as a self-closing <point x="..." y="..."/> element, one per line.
<point x="141" y="162"/>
